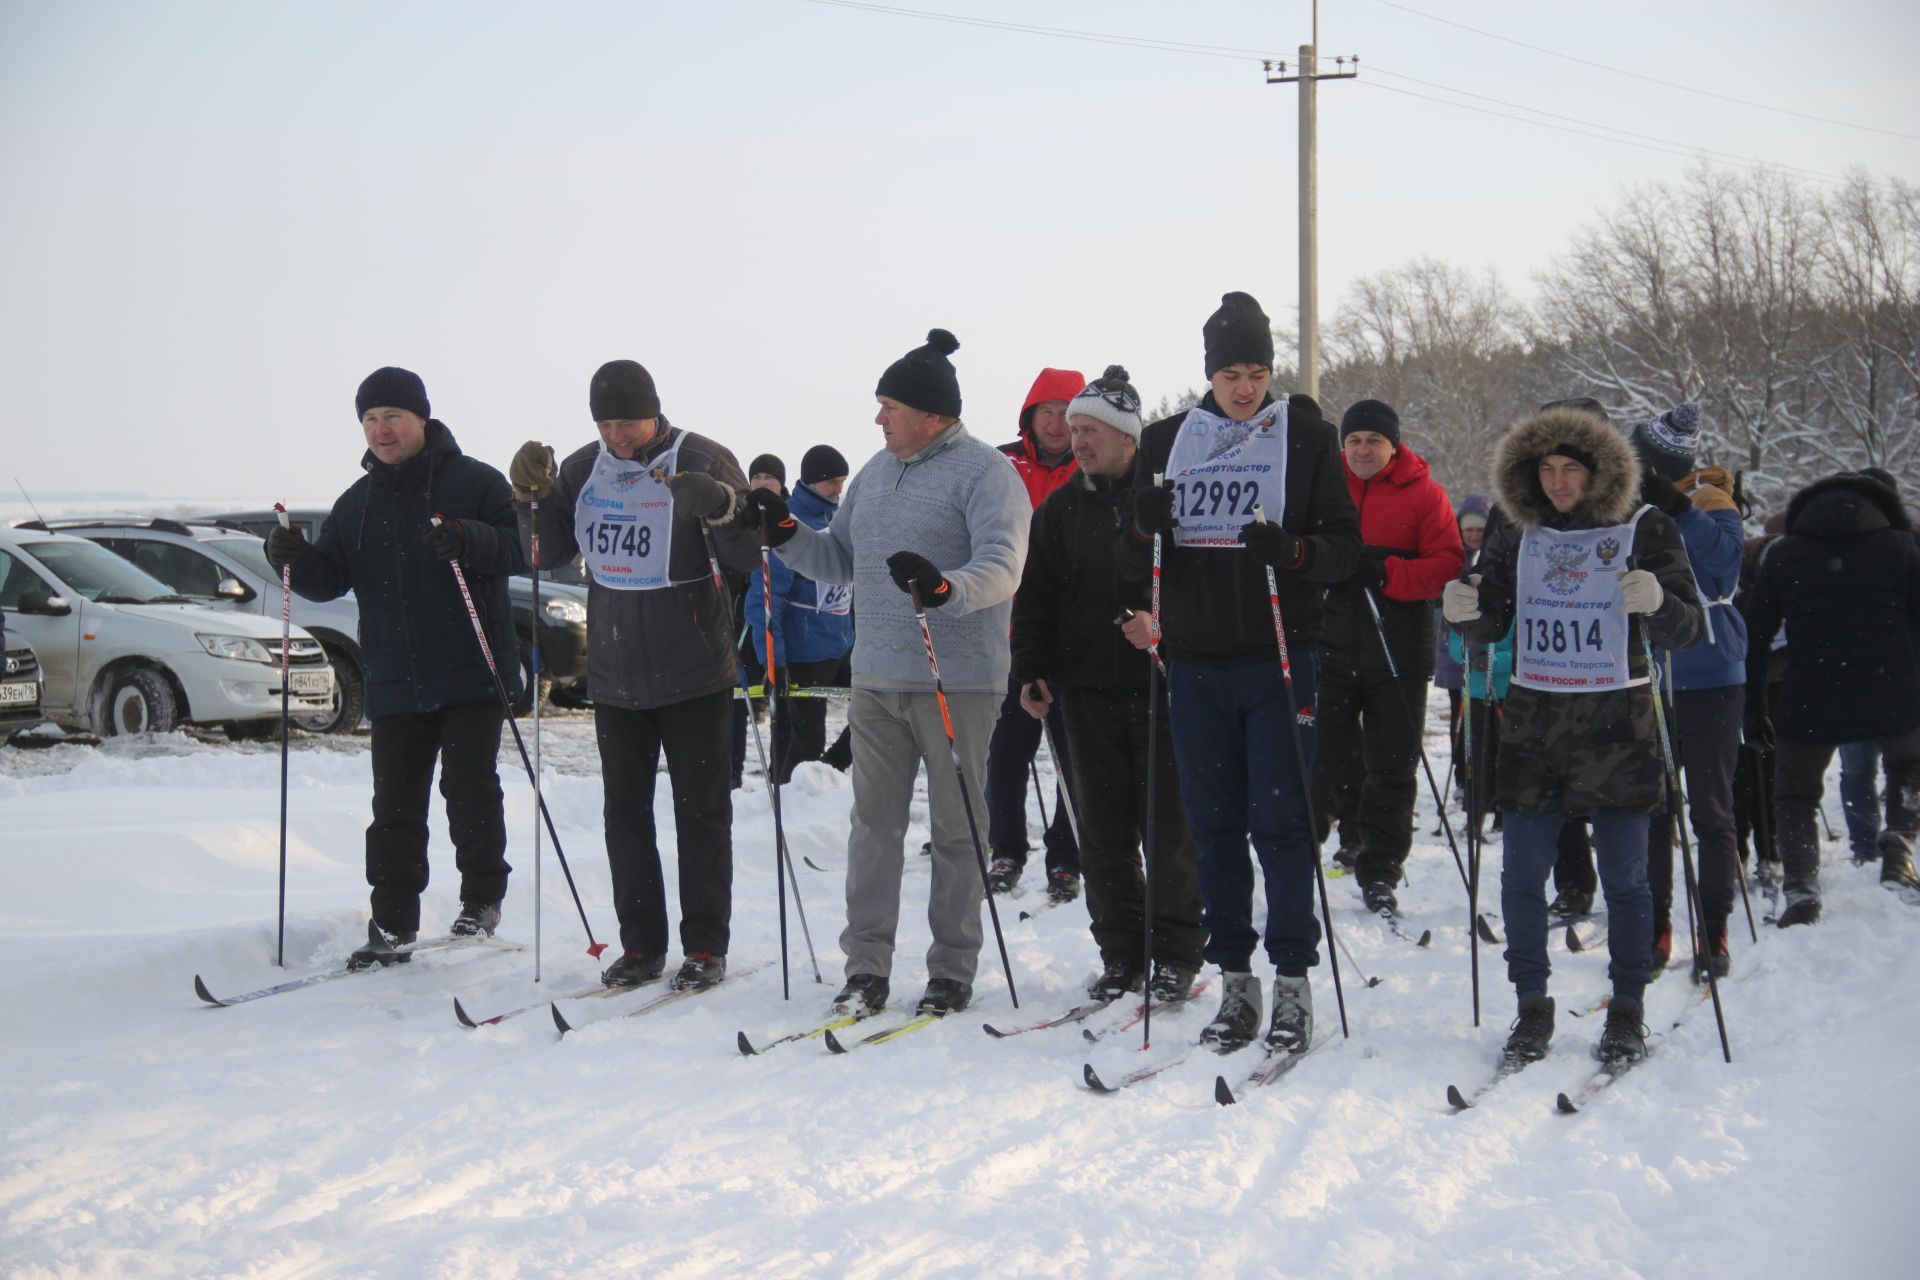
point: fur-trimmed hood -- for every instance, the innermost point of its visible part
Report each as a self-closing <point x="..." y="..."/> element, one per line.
<point x="1615" y="491"/>
<point x="1843" y="505"/>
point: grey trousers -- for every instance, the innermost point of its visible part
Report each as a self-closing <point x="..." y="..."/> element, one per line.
<point x="892" y="731"/>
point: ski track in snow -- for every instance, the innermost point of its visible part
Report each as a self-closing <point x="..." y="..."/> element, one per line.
<point x="355" y="1129"/>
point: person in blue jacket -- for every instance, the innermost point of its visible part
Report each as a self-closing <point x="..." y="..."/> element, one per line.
<point x="812" y="623"/>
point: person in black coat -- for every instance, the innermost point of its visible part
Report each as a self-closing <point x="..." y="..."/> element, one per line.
<point x="1845" y="578"/>
<point x="430" y="693"/>
<point x="1068" y="645"/>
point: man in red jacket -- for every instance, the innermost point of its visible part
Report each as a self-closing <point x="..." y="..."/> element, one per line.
<point x="1412" y="550"/>
<point x="1043" y="455"/>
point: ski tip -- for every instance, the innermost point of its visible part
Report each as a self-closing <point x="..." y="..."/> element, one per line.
<point x="746" y="1046"/>
<point x="1426" y="938"/>
<point x="809" y="861"/>
<point x="559" y="1019"/>
<point x="1093" y="1080"/>
<point x="1375" y="980"/>
<point x="993" y="1031"/>
<point x="200" y="989"/>
<point x="1089" y="1036"/>
<point x="462" y="1015"/>
<point x="1487" y="935"/>
<point x="833" y="1044"/>
<point x="1573" y="940"/>
<point x="1456" y="1099"/>
<point x="1222" y="1092"/>
<point x="1565" y="1104"/>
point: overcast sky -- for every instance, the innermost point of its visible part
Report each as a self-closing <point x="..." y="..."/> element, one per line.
<point x="216" y="217"/>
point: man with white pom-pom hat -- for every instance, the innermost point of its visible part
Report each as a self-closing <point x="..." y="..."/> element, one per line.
<point x="937" y="509"/>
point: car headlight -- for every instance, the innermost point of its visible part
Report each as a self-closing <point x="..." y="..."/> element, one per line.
<point x="565" y="611"/>
<point x="239" y="648"/>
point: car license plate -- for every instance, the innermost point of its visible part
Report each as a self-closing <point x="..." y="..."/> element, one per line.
<point x="311" y="683"/>
<point x="20" y="691"/>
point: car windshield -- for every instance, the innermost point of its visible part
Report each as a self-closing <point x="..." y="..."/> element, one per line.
<point x="250" y="553"/>
<point x="98" y="574"/>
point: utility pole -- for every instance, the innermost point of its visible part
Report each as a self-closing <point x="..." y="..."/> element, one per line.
<point x="1307" y="77"/>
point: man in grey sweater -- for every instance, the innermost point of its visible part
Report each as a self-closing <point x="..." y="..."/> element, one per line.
<point x="941" y="510"/>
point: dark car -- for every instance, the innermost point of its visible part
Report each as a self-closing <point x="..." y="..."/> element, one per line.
<point x="563" y="613"/>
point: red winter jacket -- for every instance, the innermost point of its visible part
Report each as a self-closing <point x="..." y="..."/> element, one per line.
<point x="1041" y="479"/>
<point x="1406" y="521"/>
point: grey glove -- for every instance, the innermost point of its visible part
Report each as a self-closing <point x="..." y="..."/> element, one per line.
<point x="532" y="472"/>
<point x="1460" y="602"/>
<point x="1640" y="591"/>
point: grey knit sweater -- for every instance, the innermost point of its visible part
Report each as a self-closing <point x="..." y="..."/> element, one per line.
<point x="960" y="504"/>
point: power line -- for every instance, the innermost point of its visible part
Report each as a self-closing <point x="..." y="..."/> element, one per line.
<point x="1659" y="80"/>
<point x="1062" y="33"/>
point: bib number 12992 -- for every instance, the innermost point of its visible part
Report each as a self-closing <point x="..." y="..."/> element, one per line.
<point x="1217" y="497"/>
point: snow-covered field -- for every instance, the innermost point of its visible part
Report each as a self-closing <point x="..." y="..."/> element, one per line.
<point x="355" y="1129"/>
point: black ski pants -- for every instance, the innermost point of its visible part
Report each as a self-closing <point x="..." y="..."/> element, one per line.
<point x="1376" y="719"/>
<point x="1707" y="741"/>
<point x="1799" y="777"/>
<point x="1107" y="737"/>
<point x="466" y="741"/>
<point x="1016" y="736"/>
<point x="800" y="724"/>
<point x="694" y="734"/>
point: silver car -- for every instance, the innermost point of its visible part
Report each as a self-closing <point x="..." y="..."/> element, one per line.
<point x="120" y="652"/>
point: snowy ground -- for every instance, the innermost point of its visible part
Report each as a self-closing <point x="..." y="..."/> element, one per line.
<point x="354" y="1129"/>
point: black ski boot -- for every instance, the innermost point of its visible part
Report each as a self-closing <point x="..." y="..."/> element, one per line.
<point x="944" y="996"/>
<point x="700" y="970"/>
<point x="1347" y="856"/>
<point x="1291" y="1027"/>
<point x="476" y="920"/>
<point x="1623" y="1040"/>
<point x="1116" y="980"/>
<point x="1172" y="983"/>
<point x="1003" y="874"/>
<point x="1238" y="1021"/>
<point x="1532" y="1032"/>
<point x="1571" y="904"/>
<point x="634" y="968"/>
<point x="1710" y="951"/>
<point x="380" y="948"/>
<point x="1803" y="902"/>
<point x="865" y="994"/>
<point x="1380" y="900"/>
<point x="1063" y="885"/>
<point x="1896" y="867"/>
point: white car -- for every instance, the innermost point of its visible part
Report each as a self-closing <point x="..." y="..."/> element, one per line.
<point x="120" y="653"/>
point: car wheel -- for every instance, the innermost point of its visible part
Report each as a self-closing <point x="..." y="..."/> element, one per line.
<point x="349" y="698"/>
<point x="138" y="700"/>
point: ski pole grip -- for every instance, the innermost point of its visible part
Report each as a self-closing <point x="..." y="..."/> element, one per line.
<point x="1159" y="478"/>
<point x="1259" y="513"/>
<point x="280" y="510"/>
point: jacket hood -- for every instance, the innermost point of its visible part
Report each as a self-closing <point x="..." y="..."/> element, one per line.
<point x="1405" y="468"/>
<point x="1615" y="491"/>
<point x="1052" y="384"/>
<point x="1474" y="504"/>
<point x="1843" y="505"/>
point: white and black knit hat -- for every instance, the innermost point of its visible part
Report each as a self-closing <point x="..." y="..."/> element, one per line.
<point x="1111" y="399"/>
<point x="1668" y="443"/>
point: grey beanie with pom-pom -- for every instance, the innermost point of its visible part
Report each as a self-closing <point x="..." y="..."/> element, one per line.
<point x="1111" y="399"/>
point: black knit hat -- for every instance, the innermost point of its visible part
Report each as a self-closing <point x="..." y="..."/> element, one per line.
<point x="1669" y="442"/>
<point x="923" y="378"/>
<point x="1371" y="415"/>
<point x="822" y="462"/>
<point x="392" y="388"/>
<point x="768" y="465"/>
<point x="1238" y="333"/>
<point x="622" y="391"/>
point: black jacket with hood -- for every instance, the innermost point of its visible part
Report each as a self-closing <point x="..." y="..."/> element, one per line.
<point x="1072" y="590"/>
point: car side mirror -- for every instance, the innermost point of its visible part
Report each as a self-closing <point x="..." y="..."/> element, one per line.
<point x="233" y="589"/>
<point x="40" y="602"/>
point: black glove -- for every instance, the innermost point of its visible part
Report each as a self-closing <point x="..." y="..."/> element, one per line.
<point x="1658" y="491"/>
<point x="1372" y="570"/>
<point x="909" y="569"/>
<point x="1759" y="728"/>
<point x="781" y="526"/>
<point x="285" y="547"/>
<point x="699" y="495"/>
<point x="447" y="540"/>
<point x="1273" y="544"/>
<point x="1153" y="511"/>
<point x="532" y="471"/>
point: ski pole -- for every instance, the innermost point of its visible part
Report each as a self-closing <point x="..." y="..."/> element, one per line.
<point x="781" y="855"/>
<point x="1156" y="676"/>
<point x="778" y="721"/>
<point x="1419" y="737"/>
<point x="1306" y="777"/>
<point x="1066" y="804"/>
<point x="1039" y="800"/>
<point x="960" y="774"/>
<point x="286" y="666"/>
<point x="533" y="544"/>
<point x="594" y="945"/>
<point x="1677" y="825"/>
<point x="1468" y="780"/>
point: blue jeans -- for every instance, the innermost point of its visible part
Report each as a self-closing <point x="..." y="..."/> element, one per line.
<point x="1240" y="778"/>
<point x="1860" y="796"/>
<point x="1529" y="845"/>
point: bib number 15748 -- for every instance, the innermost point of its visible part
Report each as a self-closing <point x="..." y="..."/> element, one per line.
<point x="623" y="539"/>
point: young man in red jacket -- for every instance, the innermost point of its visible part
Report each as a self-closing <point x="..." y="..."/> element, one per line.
<point x="1043" y="455"/>
<point x="1412" y="550"/>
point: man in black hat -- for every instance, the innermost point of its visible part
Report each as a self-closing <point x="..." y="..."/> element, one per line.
<point x="644" y="505"/>
<point x="430" y="694"/>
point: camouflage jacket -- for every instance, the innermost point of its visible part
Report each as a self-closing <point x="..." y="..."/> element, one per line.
<point x="1582" y="753"/>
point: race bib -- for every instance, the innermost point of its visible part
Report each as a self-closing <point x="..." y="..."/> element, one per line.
<point x="1570" y="626"/>
<point x="623" y="521"/>
<point x="1220" y="470"/>
<point x="833" y="597"/>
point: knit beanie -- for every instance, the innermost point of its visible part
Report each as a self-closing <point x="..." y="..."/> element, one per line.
<point x="1111" y="399"/>
<point x="392" y="388"/>
<point x="1473" y="511"/>
<point x="623" y="391"/>
<point x="1371" y="415"/>
<point x="923" y="378"/>
<point x="822" y="462"/>
<point x="1668" y="443"/>
<point x="1238" y="333"/>
<point x="768" y="465"/>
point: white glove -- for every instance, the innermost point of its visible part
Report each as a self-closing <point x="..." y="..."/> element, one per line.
<point x="1640" y="591"/>
<point x="1460" y="602"/>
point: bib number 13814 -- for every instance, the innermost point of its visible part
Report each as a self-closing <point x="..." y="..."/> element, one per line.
<point x="1559" y="635"/>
